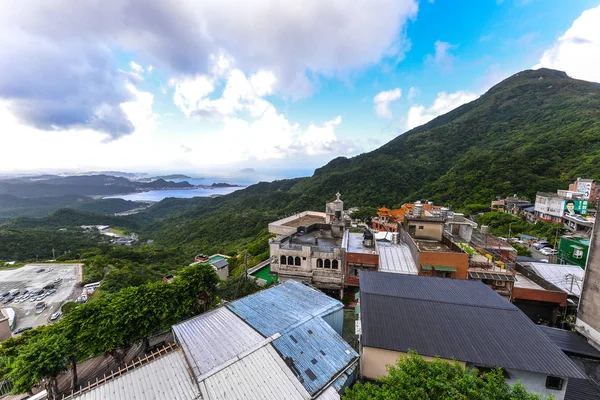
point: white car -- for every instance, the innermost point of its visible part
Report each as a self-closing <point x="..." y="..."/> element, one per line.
<point x="547" y="251"/>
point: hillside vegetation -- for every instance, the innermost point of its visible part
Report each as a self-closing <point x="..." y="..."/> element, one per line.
<point x="535" y="131"/>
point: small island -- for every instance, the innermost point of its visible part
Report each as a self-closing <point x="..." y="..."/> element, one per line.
<point x="223" y="185"/>
<point x="174" y="176"/>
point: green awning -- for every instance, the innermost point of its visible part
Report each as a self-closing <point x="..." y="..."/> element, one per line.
<point x="444" y="268"/>
<point x="357" y="296"/>
<point x="357" y="310"/>
<point x="425" y="267"/>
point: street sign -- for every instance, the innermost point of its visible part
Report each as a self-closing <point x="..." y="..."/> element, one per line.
<point x="357" y="327"/>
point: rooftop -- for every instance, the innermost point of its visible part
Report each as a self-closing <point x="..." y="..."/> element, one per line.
<point x="432" y="245"/>
<point x="276" y="309"/>
<point x="523" y="282"/>
<point x="316" y="238"/>
<point x="354" y="244"/>
<point x="166" y="377"/>
<point x="569" y="278"/>
<point x="454" y="319"/>
<point x="305" y="220"/>
<point x="396" y="258"/>
<point x="570" y="342"/>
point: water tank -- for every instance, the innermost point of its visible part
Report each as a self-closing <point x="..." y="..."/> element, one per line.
<point x="444" y="212"/>
<point x="395" y="237"/>
<point x="484" y="229"/>
<point x="418" y="209"/>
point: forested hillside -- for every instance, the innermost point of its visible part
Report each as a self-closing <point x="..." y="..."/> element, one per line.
<point x="537" y="130"/>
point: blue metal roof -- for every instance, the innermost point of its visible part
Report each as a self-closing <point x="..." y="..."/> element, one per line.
<point x="315" y="353"/>
<point x="277" y="309"/>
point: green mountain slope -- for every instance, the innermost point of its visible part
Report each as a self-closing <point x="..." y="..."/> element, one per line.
<point x="537" y="130"/>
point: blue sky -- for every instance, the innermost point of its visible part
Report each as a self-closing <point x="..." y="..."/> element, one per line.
<point x="216" y="86"/>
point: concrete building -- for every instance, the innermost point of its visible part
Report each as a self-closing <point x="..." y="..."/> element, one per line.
<point x="456" y="320"/>
<point x="361" y="253"/>
<point x="217" y="261"/>
<point x="587" y="188"/>
<point x="588" y="314"/>
<point x="433" y="252"/>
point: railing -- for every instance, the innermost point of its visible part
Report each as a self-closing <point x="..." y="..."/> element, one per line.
<point x="137" y="363"/>
<point x="288" y="246"/>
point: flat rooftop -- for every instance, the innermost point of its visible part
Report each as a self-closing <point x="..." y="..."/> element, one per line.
<point x="316" y="238"/>
<point x="432" y="245"/>
<point x="355" y="244"/>
<point x="305" y="220"/>
<point x="521" y="281"/>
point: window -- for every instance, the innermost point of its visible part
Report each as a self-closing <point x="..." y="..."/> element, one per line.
<point x="319" y="263"/>
<point x="420" y="226"/>
<point x="327" y="263"/>
<point x="297" y="261"/>
<point x="283" y="260"/>
<point x="554" y="382"/>
<point x="335" y="264"/>
<point x="290" y="260"/>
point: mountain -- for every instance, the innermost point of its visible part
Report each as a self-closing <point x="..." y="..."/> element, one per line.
<point x="537" y="130"/>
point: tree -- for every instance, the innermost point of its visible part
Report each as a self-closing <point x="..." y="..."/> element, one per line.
<point x="413" y="378"/>
<point x="44" y="357"/>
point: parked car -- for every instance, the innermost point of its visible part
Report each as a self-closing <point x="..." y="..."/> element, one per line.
<point x="55" y="316"/>
<point x="32" y="299"/>
<point x="39" y="307"/>
<point x="51" y="292"/>
<point x="40" y="270"/>
<point x="15" y="292"/>
<point x="4" y="294"/>
<point x="503" y="239"/>
<point x="541" y="245"/>
<point x="8" y="299"/>
<point x="21" y="330"/>
<point x="36" y="292"/>
<point x="548" y="251"/>
<point x="49" y="286"/>
<point x="57" y="280"/>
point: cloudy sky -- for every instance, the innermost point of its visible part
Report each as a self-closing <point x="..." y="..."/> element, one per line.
<point x="209" y="86"/>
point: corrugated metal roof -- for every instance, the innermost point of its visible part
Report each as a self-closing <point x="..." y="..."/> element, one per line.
<point x="569" y="278"/>
<point x="582" y="389"/>
<point x="410" y="312"/>
<point x="570" y="342"/>
<point x="456" y="291"/>
<point x="396" y="258"/>
<point x="329" y="394"/>
<point x="164" y="378"/>
<point x="218" y="264"/>
<point x="261" y="375"/>
<point x="315" y="353"/>
<point x="277" y="309"/>
<point x="213" y="338"/>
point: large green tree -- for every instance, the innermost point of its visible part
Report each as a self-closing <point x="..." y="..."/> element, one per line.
<point x="413" y="378"/>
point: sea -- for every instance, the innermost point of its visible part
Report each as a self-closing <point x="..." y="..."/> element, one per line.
<point x="158" y="195"/>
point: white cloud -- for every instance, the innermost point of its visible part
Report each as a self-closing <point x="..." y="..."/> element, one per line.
<point x="444" y="102"/>
<point x="382" y="102"/>
<point x="442" y="58"/>
<point x="150" y="68"/>
<point x="577" y="52"/>
<point x="136" y="67"/>
<point x="413" y="92"/>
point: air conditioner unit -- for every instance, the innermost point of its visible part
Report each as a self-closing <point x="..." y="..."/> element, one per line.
<point x="500" y="283"/>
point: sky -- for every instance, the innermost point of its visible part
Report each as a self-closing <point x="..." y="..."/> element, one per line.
<point x="216" y="86"/>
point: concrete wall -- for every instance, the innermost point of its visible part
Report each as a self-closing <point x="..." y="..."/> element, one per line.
<point x="458" y="260"/>
<point x="431" y="230"/>
<point x="374" y="361"/>
<point x="535" y="383"/>
<point x="588" y="315"/>
<point x="4" y="327"/>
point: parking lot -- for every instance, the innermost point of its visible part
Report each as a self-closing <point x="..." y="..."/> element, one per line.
<point x="27" y="277"/>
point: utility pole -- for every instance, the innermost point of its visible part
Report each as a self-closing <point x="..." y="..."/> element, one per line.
<point x="246" y="264"/>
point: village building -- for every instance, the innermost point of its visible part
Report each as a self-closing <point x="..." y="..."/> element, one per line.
<point x="460" y="320"/>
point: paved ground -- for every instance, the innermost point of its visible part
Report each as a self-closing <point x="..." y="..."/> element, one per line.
<point x="26" y="277"/>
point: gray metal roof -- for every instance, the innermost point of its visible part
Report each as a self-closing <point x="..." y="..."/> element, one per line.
<point x="569" y="278"/>
<point x="166" y="377"/>
<point x="278" y="308"/>
<point x="455" y="319"/>
<point x="570" y="342"/>
<point x="396" y="258"/>
<point x="456" y="291"/>
<point x="261" y="375"/>
<point x="582" y="389"/>
<point x="213" y="338"/>
<point x="315" y="353"/>
<point x="219" y="264"/>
